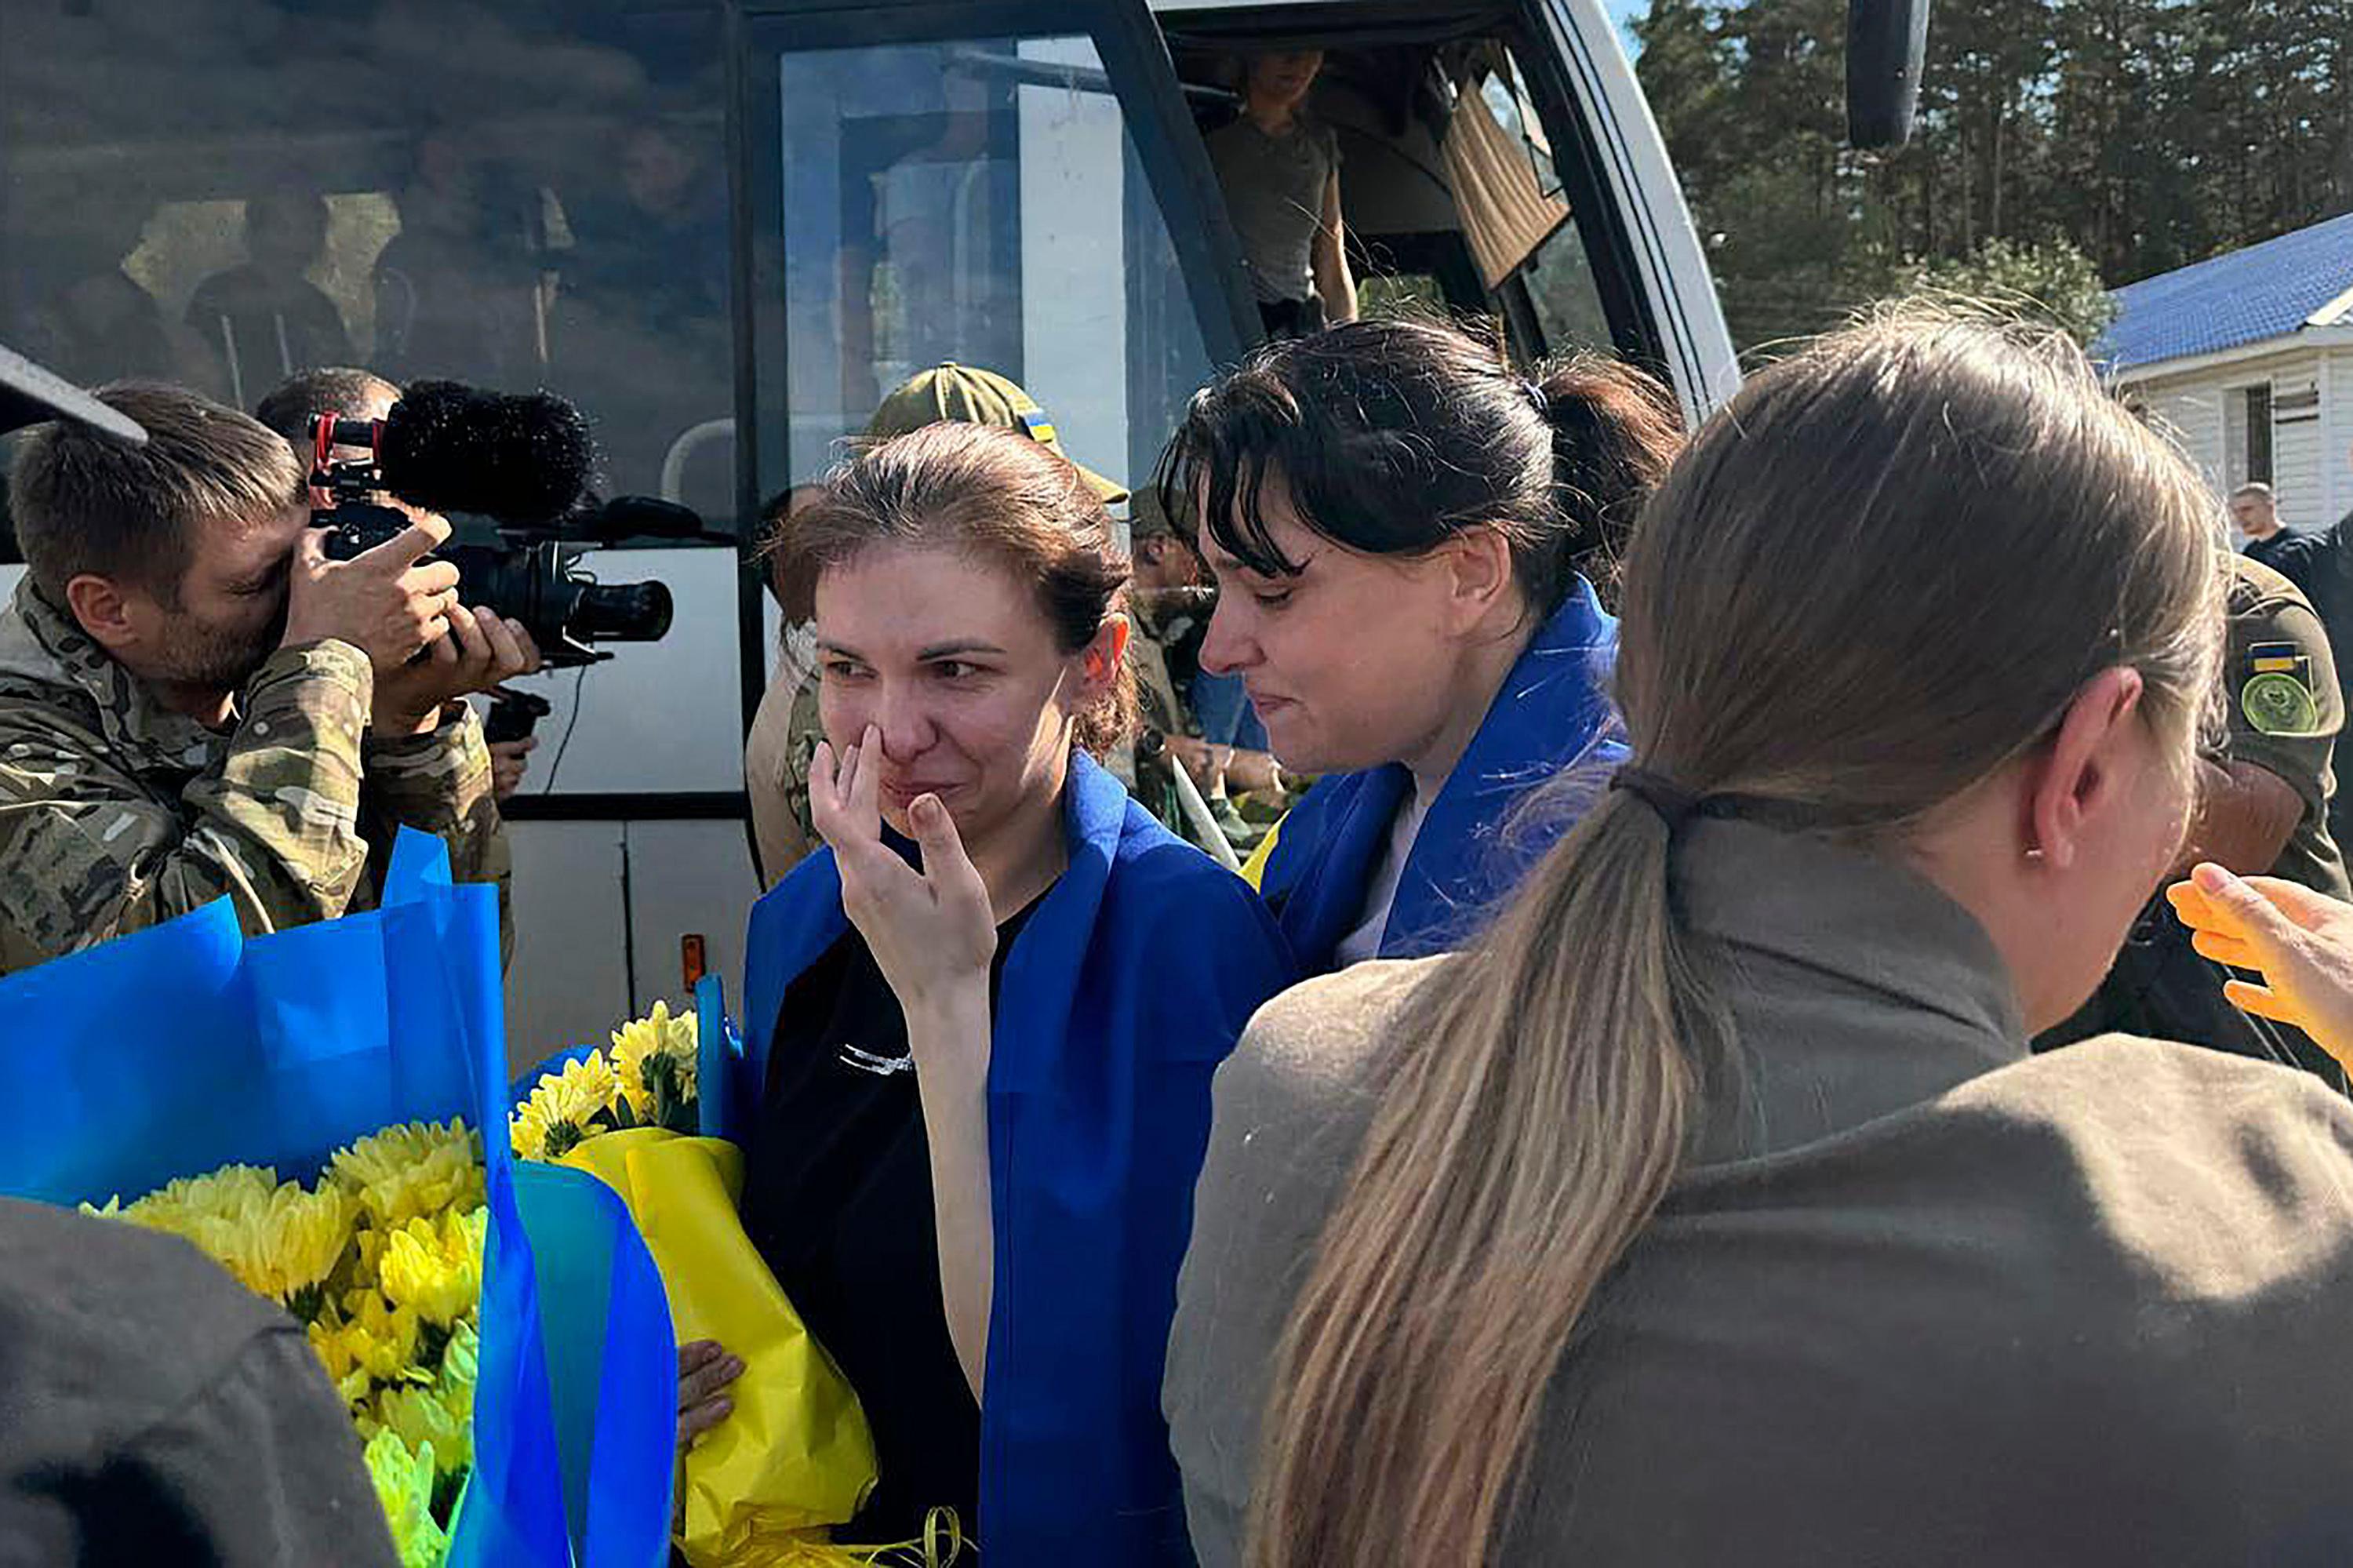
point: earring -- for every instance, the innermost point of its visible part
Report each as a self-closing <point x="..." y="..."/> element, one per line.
<point x="2034" y="854"/>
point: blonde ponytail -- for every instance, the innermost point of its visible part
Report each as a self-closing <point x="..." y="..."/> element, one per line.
<point x="1502" y="1179"/>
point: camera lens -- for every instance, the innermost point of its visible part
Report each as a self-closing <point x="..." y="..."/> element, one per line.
<point x="620" y="612"/>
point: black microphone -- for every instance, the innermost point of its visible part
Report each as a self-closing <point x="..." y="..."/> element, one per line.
<point x="448" y="447"/>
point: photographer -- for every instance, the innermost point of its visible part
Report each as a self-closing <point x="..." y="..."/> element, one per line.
<point x="195" y="702"/>
<point x="349" y="394"/>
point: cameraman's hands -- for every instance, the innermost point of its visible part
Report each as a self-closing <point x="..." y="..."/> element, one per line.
<point x="389" y="602"/>
<point x="481" y="651"/>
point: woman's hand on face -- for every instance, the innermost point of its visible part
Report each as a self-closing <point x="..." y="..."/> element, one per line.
<point x="2299" y="941"/>
<point x="705" y="1370"/>
<point x="930" y="931"/>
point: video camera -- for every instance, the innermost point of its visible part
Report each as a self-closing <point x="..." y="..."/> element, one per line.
<point x="524" y="464"/>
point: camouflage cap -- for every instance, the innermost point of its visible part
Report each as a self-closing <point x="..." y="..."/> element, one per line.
<point x="959" y="393"/>
<point x="1146" y="517"/>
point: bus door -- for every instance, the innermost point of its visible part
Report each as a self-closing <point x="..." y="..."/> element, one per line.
<point x="1014" y="188"/>
<point x="1496" y="156"/>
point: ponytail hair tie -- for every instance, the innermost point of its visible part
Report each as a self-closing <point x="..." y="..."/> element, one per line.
<point x="1673" y="804"/>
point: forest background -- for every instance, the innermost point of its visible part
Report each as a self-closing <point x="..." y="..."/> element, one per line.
<point x="2065" y="147"/>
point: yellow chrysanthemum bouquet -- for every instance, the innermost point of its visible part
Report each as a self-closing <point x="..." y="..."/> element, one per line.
<point x="381" y="1259"/>
<point x="302" y="1107"/>
<point x="794" y="1459"/>
<point x="646" y="1078"/>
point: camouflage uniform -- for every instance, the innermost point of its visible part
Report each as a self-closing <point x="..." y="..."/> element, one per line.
<point x="117" y="813"/>
<point x="1168" y="626"/>
<point x="776" y="757"/>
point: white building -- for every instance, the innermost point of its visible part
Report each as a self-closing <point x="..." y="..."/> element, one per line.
<point x="2247" y="359"/>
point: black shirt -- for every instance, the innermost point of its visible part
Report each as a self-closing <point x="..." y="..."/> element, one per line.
<point x="838" y="1197"/>
<point x="2283" y="552"/>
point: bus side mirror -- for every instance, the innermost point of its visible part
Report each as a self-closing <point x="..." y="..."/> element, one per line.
<point x="1885" y="40"/>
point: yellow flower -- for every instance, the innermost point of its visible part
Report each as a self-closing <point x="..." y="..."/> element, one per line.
<point x="375" y="1337"/>
<point x="403" y="1484"/>
<point x="436" y="1267"/>
<point x="304" y="1236"/>
<point x="461" y="1365"/>
<point x="644" y="1044"/>
<point x="417" y="1169"/>
<point x="333" y="1341"/>
<point x="205" y="1210"/>
<point x="369" y="1263"/>
<point x="561" y="1105"/>
<point x="424" y="1419"/>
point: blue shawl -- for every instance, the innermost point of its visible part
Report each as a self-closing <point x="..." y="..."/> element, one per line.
<point x="1128" y="985"/>
<point x="1469" y="853"/>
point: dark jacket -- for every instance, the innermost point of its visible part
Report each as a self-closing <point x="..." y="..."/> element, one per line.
<point x="154" y="1411"/>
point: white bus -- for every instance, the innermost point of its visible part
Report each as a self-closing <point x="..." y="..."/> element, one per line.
<point x="698" y="220"/>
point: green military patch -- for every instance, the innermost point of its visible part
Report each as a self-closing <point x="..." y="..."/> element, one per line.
<point x="2278" y="702"/>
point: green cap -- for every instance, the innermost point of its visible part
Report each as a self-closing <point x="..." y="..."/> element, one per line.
<point x="1146" y="517"/>
<point x="959" y="394"/>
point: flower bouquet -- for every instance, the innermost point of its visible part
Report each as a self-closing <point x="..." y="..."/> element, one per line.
<point x="300" y="1106"/>
<point x="380" y="1260"/>
<point x="794" y="1458"/>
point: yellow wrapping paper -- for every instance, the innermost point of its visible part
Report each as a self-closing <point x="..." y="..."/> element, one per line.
<point x="795" y="1456"/>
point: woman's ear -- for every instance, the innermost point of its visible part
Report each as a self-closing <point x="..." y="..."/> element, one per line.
<point x="1478" y="573"/>
<point x="2085" y="772"/>
<point x="1100" y="661"/>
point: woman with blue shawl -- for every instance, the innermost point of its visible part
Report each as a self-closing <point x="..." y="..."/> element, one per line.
<point x="982" y="1022"/>
<point x="1395" y="520"/>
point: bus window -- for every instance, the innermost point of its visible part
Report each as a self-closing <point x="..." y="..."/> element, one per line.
<point x="1556" y="272"/>
<point x="219" y="191"/>
<point x="978" y="201"/>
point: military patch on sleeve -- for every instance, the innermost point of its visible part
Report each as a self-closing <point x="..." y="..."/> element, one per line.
<point x="2277" y="697"/>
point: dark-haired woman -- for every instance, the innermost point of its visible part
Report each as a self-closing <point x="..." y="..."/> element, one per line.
<point x="984" y="1018"/>
<point x="1710" y="1209"/>
<point x="1397" y="521"/>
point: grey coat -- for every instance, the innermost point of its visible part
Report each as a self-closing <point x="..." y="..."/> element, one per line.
<point x="1919" y="1299"/>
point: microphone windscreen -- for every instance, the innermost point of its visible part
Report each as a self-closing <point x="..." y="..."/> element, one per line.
<point x="451" y="448"/>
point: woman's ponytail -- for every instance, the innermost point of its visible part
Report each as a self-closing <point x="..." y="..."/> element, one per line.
<point x="1502" y="1179"/>
<point x="1615" y="431"/>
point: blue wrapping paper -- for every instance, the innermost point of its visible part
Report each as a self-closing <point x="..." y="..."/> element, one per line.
<point x="177" y="1050"/>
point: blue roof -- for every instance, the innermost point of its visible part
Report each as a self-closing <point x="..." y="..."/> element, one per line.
<point x="2266" y="291"/>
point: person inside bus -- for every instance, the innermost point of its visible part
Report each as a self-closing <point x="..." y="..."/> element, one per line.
<point x="458" y="289"/>
<point x="640" y="330"/>
<point x="982" y="1021"/>
<point x="1711" y="1207"/>
<point x="1396" y="520"/>
<point x="1280" y="169"/>
<point x="265" y="320"/>
<point x="105" y="324"/>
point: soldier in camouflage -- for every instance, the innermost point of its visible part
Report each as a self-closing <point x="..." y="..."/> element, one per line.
<point x="196" y="704"/>
<point x="1216" y="741"/>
